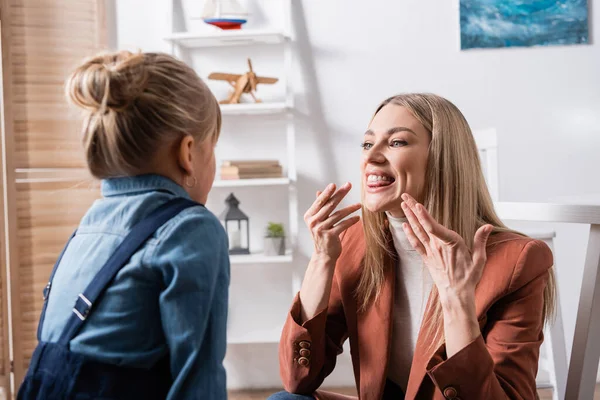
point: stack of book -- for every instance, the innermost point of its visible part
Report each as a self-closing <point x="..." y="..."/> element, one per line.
<point x="251" y="169"/>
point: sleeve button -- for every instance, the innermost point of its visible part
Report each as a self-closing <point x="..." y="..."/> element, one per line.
<point x="450" y="393"/>
<point x="303" y="361"/>
<point x="304" y="353"/>
<point x="304" y="344"/>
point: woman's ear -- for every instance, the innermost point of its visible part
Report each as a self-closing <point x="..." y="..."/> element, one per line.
<point x="185" y="155"/>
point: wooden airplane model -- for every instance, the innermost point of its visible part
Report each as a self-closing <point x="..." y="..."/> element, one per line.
<point x="244" y="83"/>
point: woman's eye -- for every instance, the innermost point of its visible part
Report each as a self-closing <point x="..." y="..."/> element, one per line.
<point x="366" y="145"/>
<point x="398" y="143"/>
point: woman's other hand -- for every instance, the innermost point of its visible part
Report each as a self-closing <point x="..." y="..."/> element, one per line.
<point x="454" y="268"/>
<point x="325" y="225"/>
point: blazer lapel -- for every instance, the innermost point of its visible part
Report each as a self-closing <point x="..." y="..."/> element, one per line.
<point x="418" y="368"/>
<point x="374" y="328"/>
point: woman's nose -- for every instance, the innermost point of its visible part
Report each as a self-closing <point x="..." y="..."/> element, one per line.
<point x="375" y="155"/>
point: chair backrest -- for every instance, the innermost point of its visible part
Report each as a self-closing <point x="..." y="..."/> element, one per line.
<point x="585" y="353"/>
<point x="487" y="144"/>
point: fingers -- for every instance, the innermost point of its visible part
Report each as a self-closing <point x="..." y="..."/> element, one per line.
<point x="414" y="241"/>
<point x="340" y="214"/>
<point x="333" y="201"/>
<point x="345" y="224"/>
<point x="479" y="243"/>
<point x="322" y="198"/>
<point x="416" y="227"/>
<point x="430" y="225"/>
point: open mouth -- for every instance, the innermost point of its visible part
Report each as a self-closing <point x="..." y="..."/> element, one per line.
<point x="379" y="180"/>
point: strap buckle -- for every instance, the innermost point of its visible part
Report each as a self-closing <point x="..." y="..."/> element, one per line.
<point x="46" y="291"/>
<point x="82" y="307"/>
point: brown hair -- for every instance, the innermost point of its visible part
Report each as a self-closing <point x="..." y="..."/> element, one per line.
<point x="456" y="195"/>
<point x="135" y="103"/>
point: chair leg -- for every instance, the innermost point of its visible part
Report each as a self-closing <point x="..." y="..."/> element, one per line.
<point x="555" y="347"/>
<point x="585" y="355"/>
<point x="557" y="355"/>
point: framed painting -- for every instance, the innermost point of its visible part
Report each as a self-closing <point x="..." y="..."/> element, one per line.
<point x="511" y="23"/>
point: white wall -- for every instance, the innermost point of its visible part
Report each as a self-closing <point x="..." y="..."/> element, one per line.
<point x="545" y="103"/>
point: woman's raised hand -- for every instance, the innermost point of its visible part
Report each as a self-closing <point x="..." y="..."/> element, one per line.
<point x="455" y="268"/>
<point x="325" y="225"/>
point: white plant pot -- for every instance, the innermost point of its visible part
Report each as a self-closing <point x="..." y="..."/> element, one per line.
<point x="274" y="246"/>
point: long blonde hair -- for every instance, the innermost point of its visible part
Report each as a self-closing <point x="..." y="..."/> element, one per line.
<point x="135" y="103"/>
<point x="455" y="195"/>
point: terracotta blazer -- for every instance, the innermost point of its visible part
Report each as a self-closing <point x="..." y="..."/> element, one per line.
<point x="500" y="364"/>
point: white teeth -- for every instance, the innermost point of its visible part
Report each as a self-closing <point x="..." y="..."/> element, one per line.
<point x="375" y="178"/>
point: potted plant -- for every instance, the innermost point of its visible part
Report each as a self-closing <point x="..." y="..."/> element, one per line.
<point x="274" y="240"/>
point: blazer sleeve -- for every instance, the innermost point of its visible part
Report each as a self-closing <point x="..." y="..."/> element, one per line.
<point x="502" y="363"/>
<point x="308" y="350"/>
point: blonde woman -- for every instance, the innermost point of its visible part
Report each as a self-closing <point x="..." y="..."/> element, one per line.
<point x="136" y="307"/>
<point x="437" y="297"/>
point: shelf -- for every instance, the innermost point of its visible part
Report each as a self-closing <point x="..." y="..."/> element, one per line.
<point x="254" y="108"/>
<point x="226" y="38"/>
<point x="259" y="258"/>
<point x="231" y="183"/>
<point x="265" y="336"/>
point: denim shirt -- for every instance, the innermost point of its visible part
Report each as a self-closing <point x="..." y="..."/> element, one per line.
<point x="171" y="298"/>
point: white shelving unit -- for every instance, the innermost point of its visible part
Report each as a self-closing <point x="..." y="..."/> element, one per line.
<point x="182" y="43"/>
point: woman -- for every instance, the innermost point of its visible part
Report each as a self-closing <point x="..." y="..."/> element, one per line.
<point x="438" y="298"/>
<point x="136" y="307"/>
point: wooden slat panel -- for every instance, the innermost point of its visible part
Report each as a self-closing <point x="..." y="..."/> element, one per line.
<point x="47" y="213"/>
<point x="37" y="92"/>
<point x="46" y="44"/>
<point x="56" y="33"/>
<point x="31" y="154"/>
<point x="4" y="344"/>
<point x="37" y="143"/>
<point x="60" y="52"/>
<point x="32" y="12"/>
<point x="48" y="190"/>
<point x="6" y="131"/>
<point x="40" y="111"/>
<point x="3" y="327"/>
<point x="80" y="178"/>
<point x="21" y="60"/>
<point x="46" y="3"/>
<point x="44" y="49"/>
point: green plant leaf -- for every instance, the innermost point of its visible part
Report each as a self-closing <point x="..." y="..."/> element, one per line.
<point x="275" y="230"/>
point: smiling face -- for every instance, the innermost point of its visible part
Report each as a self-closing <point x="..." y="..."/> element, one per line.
<point x="395" y="150"/>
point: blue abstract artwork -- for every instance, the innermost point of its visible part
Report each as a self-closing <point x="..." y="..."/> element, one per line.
<point x="510" y="23"/>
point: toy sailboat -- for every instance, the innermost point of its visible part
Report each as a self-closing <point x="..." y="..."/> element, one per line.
<point x="225" y="14"/>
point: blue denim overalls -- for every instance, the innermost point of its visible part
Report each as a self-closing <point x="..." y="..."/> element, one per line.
<point x="57" y="373"/>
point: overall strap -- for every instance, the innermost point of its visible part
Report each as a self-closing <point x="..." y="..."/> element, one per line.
<point x="46" y="291"/>
<point x="141" y="232"/>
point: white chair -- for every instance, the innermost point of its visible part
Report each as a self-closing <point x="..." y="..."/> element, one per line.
<point x="553" y="361"/>
<point x="585" y="354"/>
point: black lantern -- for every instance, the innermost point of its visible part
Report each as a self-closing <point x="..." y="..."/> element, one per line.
<point x="236" y="226"/>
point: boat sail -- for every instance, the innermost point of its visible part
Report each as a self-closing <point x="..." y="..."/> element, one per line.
<point x="225" y="14"/>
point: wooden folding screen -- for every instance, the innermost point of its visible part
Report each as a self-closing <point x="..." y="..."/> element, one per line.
<point x="44" y="184"/>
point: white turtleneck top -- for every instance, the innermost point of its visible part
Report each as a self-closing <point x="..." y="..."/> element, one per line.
<point x="413" y="284"/>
